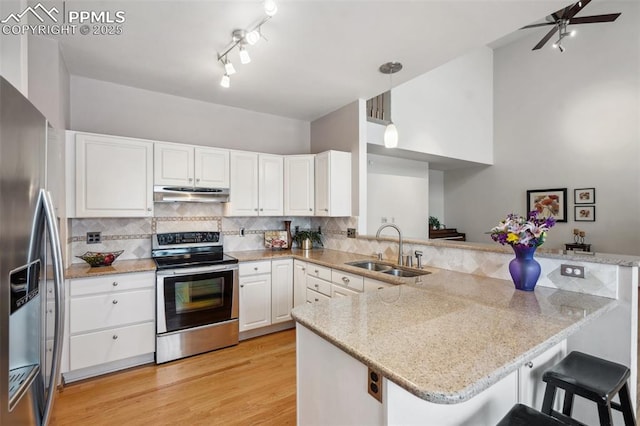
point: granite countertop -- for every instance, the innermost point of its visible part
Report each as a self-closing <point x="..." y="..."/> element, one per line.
<point x="332" y="259"/>
<point x="453" y="335"/>
<point x="83" y="270"/>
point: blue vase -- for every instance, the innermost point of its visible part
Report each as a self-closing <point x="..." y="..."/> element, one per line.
<point x="524" y="269"/>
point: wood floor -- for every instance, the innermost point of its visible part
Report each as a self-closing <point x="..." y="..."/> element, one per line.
<point x="253" y="383"/>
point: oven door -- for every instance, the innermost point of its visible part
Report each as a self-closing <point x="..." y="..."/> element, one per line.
<point x="195" y="297"/>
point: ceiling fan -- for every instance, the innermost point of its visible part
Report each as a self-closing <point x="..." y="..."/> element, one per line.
<point x="566" y="16"/>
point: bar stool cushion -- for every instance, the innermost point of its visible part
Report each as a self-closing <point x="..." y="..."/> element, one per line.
<point x="521" y="415"/>
<point x="593" y="378"/>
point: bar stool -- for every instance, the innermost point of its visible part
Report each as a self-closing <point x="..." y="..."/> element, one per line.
<point x="592" y="378"/>
<point x="521" y="415"/>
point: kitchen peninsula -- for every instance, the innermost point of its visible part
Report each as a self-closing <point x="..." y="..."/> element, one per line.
<point x="454" y="348"/>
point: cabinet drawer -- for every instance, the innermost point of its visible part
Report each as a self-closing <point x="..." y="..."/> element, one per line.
<point x="373" y="285"/>
<point x="318" y="285"/>
<point x="319" y="271"/>
<point x="253" y="268"/>
<point x="351" y="281"/>
<point x="112" y="283"/>
<point x="314" y="296"/>
<point x="340" y="291"/>
<point x="111" y="310"/>
<point x="90" y="349"/>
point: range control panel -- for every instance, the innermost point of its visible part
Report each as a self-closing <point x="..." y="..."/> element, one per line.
<point x="174" y="238"/>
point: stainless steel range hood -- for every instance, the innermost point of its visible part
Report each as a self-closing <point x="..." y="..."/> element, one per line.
<point x="188" y="194"/>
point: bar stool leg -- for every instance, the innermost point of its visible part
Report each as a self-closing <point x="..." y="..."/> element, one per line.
<point x="567" y="406"/>
<point x="625" y="403"/>
<point x="604" y="412"/>
<point x="549" y="396"/>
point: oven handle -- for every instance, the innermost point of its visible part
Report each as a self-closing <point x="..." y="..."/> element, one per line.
<point x="196" y="270"/>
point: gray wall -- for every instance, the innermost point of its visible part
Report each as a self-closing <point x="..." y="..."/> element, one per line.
<point x="103" y="107"/>
<point x="569" y="120"/>
<point x="49" y="81"/>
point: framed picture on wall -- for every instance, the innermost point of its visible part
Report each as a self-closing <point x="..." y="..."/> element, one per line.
<point x="584" y="196"/>
<point x="548" y="203"/>
<point x="585" y="213"/>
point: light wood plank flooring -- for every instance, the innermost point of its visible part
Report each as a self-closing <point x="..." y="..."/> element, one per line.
<point x="253" y="383"/>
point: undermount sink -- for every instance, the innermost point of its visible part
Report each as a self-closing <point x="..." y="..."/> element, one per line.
<point x="405" y="272"/>
<point x="387" y="269"/>
<point x="370" y="265"/>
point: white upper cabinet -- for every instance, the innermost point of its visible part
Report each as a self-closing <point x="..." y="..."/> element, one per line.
<point x="187" y="165"/>
<point x="113" y="177"/>
<point x="333" y="184"/>
<point x="270" y="185"/>
<point x="256" y="185"/>
<point x="299" y="185"/>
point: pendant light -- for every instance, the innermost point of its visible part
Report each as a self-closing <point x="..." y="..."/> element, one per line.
<point x="391" y="131"/>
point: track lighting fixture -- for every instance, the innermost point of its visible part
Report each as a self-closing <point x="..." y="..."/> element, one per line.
<point x="242" y="38"/>
<point x="391" y="131"/>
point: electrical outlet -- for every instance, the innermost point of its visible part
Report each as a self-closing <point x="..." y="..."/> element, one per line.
<point x="351" y="232"/>
<point x="241" y="232"/>
<point x="374" y="384"/>
<point x="572" y="271"/>
<point x="93" y="237"/>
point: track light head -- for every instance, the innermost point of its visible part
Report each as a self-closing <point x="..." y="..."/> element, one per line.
<point x="225" y="81"/>
<point x="229" y="69"/>
<point x="252" y="37"/>
<point x="270" y="7"/>
<point x="244" y="56"/>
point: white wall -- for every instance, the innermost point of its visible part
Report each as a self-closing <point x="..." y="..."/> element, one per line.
<point x="436" y="195"/>
<point x="563" y="120"/>
<point x="14" y="61"/>
<point x="49" y="81"/>
<point x="341" y="130"/>
<point x="103" y="107"/>
<point x="397" y="192"/>
<point x="448" y="111"/>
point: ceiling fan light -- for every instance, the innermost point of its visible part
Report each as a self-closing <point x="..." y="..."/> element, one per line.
<point x="270" y="7"/>
<point x="225" y="81"/>
<point x="572" y="33"/>
<point x="391" y="136"/>
<point x="229" y="69"/>
<point x="555" y="45"/>
<point x="252" y="37"/>
<point x="244" y="56"/>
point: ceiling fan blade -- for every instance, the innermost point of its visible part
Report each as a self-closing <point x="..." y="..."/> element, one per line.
<point x="575" y="9"/>
<point x="595" y="18"/>
<point x="546" y="38"/>
<point x="538" y="25"/>
<point x="561" y="13"/>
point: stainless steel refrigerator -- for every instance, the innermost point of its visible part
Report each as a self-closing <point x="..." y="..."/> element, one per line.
<point x="30" y="262"/>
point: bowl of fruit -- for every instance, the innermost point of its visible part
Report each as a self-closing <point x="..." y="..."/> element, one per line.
<point x="100" y="258"/>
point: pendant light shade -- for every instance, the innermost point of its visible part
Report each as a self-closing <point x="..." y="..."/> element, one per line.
<point x="390" y="136"/>
<point x="390" y="132"/>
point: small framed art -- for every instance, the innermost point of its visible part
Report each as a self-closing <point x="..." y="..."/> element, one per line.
<point x="548" y="203"/>
<point x="585" y="213"/>
<point x="584" y="196"/>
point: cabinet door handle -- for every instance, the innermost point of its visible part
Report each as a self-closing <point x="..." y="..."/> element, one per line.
<point x="345" y="280"/>
<point x="303" y="269"/>
<point x="310" y="210"/>
<point x="148" y="209"/>
<point x="241" y="285"/>
<point x="316" y="285"/>
<point x="114" y="301"/>
<point x="255" y="210"/>
<point x="529" y="364"/>
<point x="115" y="283"/>
<point x="317" y="272"/>
<point x="261" y="209"/>
<point x="197" y="179"/>
<point x="190" y="179"/>
<point x="255" y="268"/>
<point x="316" y="299"/>
<point x="115" y="337"/>
<point x="326" y="210"/>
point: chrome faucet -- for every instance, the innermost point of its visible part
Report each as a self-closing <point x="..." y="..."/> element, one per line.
<point x="391" y="225"/>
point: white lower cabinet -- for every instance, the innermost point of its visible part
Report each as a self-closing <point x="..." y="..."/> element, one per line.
<point x="281" y="290"/>
<point x="255" y="295"/>
<point x="530" y="385"/>
<point x="110" y="323"/>
<point x="299" y="282"/>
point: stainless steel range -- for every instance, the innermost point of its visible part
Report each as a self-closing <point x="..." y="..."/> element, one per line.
<point x="197" y="294"/>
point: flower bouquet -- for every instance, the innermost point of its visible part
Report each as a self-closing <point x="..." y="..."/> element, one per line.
<point x="524" y="235"/>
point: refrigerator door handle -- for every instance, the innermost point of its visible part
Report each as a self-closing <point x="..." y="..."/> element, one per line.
<point x="58" y="280"/>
